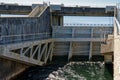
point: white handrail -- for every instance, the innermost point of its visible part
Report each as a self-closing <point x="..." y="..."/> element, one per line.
<point x="83" y="24"/>
<point x="117" y="24"/>
<point x="24" y="35"/>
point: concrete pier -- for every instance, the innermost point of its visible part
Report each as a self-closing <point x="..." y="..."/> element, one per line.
<point x="10" y="68"/>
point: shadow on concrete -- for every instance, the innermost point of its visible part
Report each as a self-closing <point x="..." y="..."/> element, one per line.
<point x="42" y="72"/>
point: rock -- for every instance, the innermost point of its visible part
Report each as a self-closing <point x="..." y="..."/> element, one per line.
<point x="59" y="68"/>
<point x="47" y="79"/>
<point x="51" y="76"/>
<point x="60" y="71"/>
<point x="55" y="73"/>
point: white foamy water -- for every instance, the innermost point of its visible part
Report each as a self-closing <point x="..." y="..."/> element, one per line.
<point x="81" y="71"/>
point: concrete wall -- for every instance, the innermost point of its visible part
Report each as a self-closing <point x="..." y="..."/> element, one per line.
<point x="9" y="69"/>
<point x="117" y="58"/>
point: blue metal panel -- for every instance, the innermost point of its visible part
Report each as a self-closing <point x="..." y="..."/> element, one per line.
<point x="55" y="7"/>
<point x="25" y="29"/>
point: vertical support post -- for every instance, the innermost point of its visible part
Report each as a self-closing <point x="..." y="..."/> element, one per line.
<point x="71" y="47"/>
<point x="53" y="32"/>
<point x="73" y="32"/>
<point x="51" y="54"/>
<point x="46" y="50"/>
<point x="21" y="52"/>
<point x="39" y="52"/>
<point x="70" y="51"/>
<point x="61" y="20"/>
<point x="90" y="51"/>
<point x="57" y="20"/>
<point x="46" y="53"/>
<point x="101" y="35"/>
<point x="116" y="51"/>
<point x="0" y="32"/>
<point x="31" y="52"/>
<point x="51" y="20"/>
<point x="104" y="36"/>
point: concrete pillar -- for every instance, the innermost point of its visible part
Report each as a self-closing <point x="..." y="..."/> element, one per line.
<point x="57" y="20"/>
<point x="116" y="59"/>
<point x="9" y="69"/>
<point x="61" y="20"/>
<point x="70" y="51"/>
<point x="116" y="54"/>
<point x="54" y="20"/>
<point x="108" y="57"/>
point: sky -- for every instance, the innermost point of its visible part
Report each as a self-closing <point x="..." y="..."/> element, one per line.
<point x="96" y="3"/>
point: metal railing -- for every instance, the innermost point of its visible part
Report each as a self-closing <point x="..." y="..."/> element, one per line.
<point x="117" y="25"/>
<point x="118" y="12"/>
<point x="94" y="25"/>
<point x="117" y="18"/>
<point x="76" y="32"/>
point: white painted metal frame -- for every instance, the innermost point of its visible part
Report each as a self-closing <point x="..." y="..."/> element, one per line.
<point x="91" y="42"/>
<point x="37" y="53"/>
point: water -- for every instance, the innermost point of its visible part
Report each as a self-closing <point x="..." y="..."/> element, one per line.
<point x="70" y="71"/>
<point x="82" y="71"/>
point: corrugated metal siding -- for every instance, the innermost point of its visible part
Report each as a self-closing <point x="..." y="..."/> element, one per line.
<point x="61" y="48"/>
<point x="25" y="29"/>
<point x="79" y="47"/>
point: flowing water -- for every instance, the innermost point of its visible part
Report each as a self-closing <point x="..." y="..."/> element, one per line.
<point x="70" y="71"/>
